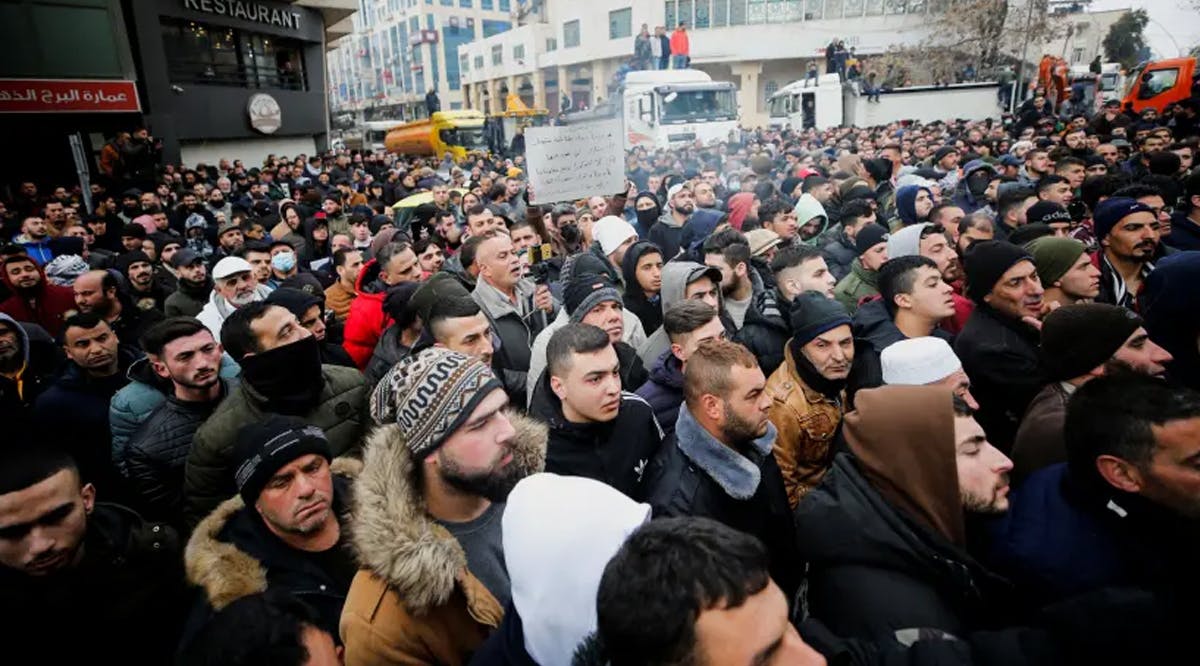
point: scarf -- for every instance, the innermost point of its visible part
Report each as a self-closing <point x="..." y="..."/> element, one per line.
<point x="830" y="388"/>
<point x="288" y="378"/>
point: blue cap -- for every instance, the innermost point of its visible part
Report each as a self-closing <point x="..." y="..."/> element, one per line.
<point x="1011" y="160"/>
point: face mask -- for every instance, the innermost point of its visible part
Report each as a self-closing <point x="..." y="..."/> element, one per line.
<point x="647" y="217"/>
<point x="289" y="377"/>
<point x="284" y="262"/>
<point x="217" y="203"/>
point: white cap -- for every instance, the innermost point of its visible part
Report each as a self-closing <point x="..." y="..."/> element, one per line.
<point x="230" y="266"/>
<point x="610" y="231"/>
<point x="918" y="361"/>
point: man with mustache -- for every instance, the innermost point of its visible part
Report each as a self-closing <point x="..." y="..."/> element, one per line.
<point x="1128" y="232"/>
<point x="234" y="286"/>
<point x="286" y="529"/>
<point x="99" y="293"/>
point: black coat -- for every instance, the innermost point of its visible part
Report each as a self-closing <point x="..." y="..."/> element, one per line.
<point x="766" y="330"/>
<point x="388" y="352"/>
<point x="839" y="253"/>
<point x="874" y="571"/>
<point x="42" y="359"/>
<point x="874" y="331"/>
<point x="1001" y="357"/>
<point x="157" y="451"/>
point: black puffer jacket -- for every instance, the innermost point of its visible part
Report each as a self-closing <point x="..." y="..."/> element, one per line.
<point x="839" y="253"/>
<point x="874" y="331"/>
<point x="158" y="450"/>
<point x="388" y="352"/>
<point x="766" y="329"/>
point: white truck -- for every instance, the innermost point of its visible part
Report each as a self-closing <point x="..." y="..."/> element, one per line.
<point x="670" y="108"/>
<point x="829" y="103"/>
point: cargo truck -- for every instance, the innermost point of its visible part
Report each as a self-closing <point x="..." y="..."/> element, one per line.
<point x="446" y="132"/>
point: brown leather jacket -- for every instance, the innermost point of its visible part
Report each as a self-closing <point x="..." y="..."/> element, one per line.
<point x="807" y="422"/>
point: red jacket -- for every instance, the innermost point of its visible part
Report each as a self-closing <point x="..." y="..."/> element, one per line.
<point x="48" y="307"/>
<point x="963" y="307"/>
<point x="679" y="42"/>
<point x="366" y="320"/>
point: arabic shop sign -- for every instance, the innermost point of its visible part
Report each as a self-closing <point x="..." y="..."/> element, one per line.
<point x="247" y="11"/>
<point x="68" y="96"/>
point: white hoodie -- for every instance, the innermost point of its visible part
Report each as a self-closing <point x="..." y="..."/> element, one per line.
<point x="559" y="534"/>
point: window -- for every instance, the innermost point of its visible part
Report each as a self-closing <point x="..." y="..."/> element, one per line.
<point x="466" y="4"/>
<point x="571" y="34"/>
<point x="478" y="62"/>
<point x="702" y="13"/>
<point x="519" y="52"/>
<point x="771" y="88"/>
<point x="497" y="54"/>
<point x="737" y="12"/>
<point x="551" y="44"/>
<point x="504" y="6"/>
<point x="414" y="24"/>
<point x="669" y="13"/>
<point x="464" y="62"/>
<point x="210" y="55"/>
<point x="1077" y="55"/>
<point x="495" y="27"/>
<point x="1157" y="82"/>
<point x="720" y="14"/>
<point x="487" y="4"/>
<point x="447" y="3"/>
<point x="620" y="23"/>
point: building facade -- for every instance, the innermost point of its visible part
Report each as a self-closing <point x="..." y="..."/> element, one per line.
<point x="399" y="50"/>
<point x="574" y="49"/>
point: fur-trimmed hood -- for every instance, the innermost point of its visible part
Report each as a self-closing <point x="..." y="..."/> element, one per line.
<point x="393" y="534"/>
<point x="225" y="572"/>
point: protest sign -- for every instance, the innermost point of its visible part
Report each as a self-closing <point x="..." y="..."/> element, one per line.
<point x="575" y="161"/>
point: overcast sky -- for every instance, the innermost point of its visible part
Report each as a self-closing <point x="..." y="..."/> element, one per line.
<point x="1168" y="18"/>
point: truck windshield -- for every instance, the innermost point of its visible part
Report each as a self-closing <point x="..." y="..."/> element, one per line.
<point x="691" y="106"/>
<point x="470" y="138"/>
<point x="1108" y="82"/>
<point x="779" y="105"/>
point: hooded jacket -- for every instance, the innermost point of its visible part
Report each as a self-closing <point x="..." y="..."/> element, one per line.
<point x="188" y="300"/>
<point x="217" y="309"/>
<point x="906" y="204"/>
<point x="807" y="208"/>
<point x="676" y="276"/>
<point x="559" y="534"/>
<point x="667" y="234"/>
<point x="38" y="250"/>
<point x="633" y="371"/>
<point x="694" y="474"/>
<point x="664" y="390"/>
<point x="860" y="284"/>
<point x="340" y="411"/>
<point x="739" y="206"/>
<point x="46" y="305"/>
<point x="1170" y="304"/>
<point x="232" y="554"/>
<point x="807" y="422"/>
<point x="964" y="198"/>
<point x="884" y="533"/>
<point x="648" y="310"/>
<point x="699" y="227"/>
<point x="766" y="330"/>
<point x="388" y="352"/>
<point x="839" y="252"/>
<point x="366" y="320"/>
<point x="615" y="452"/>
<point x="40" y="360"/>
<point x="414" y="601"/>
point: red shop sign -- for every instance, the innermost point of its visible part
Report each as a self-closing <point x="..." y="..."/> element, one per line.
<point x="68" y="96"/>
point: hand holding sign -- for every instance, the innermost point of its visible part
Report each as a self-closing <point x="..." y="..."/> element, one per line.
<point x="570" y="162"/>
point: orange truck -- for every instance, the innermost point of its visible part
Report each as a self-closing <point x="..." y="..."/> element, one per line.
<point x="1156" y="84"/>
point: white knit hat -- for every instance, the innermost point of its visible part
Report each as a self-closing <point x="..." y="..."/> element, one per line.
<point x="918" y="361"/>
<point x="610" y="231"/>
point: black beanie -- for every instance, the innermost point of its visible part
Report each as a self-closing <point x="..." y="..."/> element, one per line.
<point x="294" y="301"/>
<point x="986" y="262"/>
<point x="1047" y="212"/>
<point x="878" y="168"/>
<point x="262" y="447"/>
<point x="1078" y="338"/>
<point x="812" y="313"/>
<point x="123" y="262"/>
<point x="868" y="237"/>
<point x="585" y="292"/>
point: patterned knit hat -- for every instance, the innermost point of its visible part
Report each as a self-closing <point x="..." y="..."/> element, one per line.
<point x="430" y="394"/>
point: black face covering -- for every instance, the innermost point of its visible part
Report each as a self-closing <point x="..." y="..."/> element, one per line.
<point x="830" y="388"/>
<point x="289" y="377"/>
<point x="647" y="217"/>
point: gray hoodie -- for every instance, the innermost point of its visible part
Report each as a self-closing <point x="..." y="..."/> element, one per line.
<point x="676" y="276"/>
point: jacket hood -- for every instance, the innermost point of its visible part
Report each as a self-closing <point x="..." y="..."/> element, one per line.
<point x="22" y="334"/>
<point x="906" y="203"/>
<point x="669" y="220"/>
<point x="1170" y="305"/>
<point x="873" y="324"/>
<point x="677" y="275"/>
<point x="39" y="288"/>
<point x="550" y="520"/>
<point x="808" y="208"/>
<point x="393" y="534"/>
<point x="699" y="226"/>
<point x="143" y="373"/>
<point x="629" y="267"/>
<point x="222" y="570"/>
<point x="368" y="274"/>
<point x="906" y="242"/>
<point x="903" y="440"/>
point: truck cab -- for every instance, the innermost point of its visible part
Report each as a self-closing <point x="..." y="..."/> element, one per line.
<point x="803" y="104"/>
<point x="1156" y="84"/>
<point x="669" y="108"/>
<point x="445" y="132"/>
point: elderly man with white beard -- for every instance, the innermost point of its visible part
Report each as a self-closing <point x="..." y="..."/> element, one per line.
<point x="234" y="285"/>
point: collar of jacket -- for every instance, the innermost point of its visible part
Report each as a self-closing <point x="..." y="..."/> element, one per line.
<point x="811" y="395"/>
<point x="868" y="276"/>
<point x="225" y="572"/>
<point x="1020" y="328"/>
<point x="497" y="304"/>
<point x="737" y="475"/>
<point x="393" y="534"/>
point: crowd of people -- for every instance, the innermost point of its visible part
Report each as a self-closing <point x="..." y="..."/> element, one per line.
<point x="916" y="393"/>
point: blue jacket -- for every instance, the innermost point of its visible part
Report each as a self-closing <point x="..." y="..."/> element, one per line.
<point x="39" y="251"/>
<point x="1185" y="234"/>
<point x="664" y="390"/>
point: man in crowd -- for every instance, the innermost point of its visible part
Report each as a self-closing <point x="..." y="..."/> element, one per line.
<point x="258" y="255"/>
<point x="718" y="461"/>
<point x="808" y="391"/>
<point x="138" y="270"/>
<point x="67" y="561"/>
<point x="728" y="252"/>
<point x="1055" y="189"/>
<point x="183" y="352"/>
<point x="194" y="285"/>
<point x="597" y="430"/>
<point x="1128" y="232"/>
<point x="234" y="286"/>
<point x="1065" y="270"/>
<point x="286" y="529"/>
<point x="931" y="241"/>
<point x="99" y="293"/>
<point x="688" y="323"/>
<point x="797" y="269"/>
<point x="32" y="298"/>
<point x="927" y="361"/>
<point x="230" y="240"/>
<point x="779" y="217"/>
<point x="309" y="309"/>
<point x="1011" y="210"/>
<point x="394" y="264"/>
<point x="667" y="232"/>
<point x="840" y="253"/>
<point x="281" y="373"/>
<point x="642" y="273"/>
<point x="29" y="360"/>
<point x="861" y="282"/>
<point x="35" y="238"/>
<point x="1079" y="343"/>
<point x="999" y="345"/>
<point x="427" y="536"/>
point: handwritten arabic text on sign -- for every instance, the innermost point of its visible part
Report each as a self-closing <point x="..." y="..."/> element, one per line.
<point x="67" y="96"/>
<point x="575" y="161"/>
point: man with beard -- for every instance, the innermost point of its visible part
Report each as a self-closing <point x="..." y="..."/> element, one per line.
<point x="131" y="205"/>
<point x="1079" y="343"/>
<point x="139" y="274"/>
<point x="667" y="232"/>
<point x="339" y="296"/>
<point x="217" y="205"/>
<point x="718" y="463"/>
<point x="28" y="361"/>
<point x="194" y="286"/>
<point x="189" y="205"/>
<point x="33" y="299"/>
<point x="99" y="293"/>
<point x="230" y="240"/>
<point x="281" y="373"/>
<point x="1037" y="166"/>
<point x="729" y="252"/>
<point x="430" y="500"/>
<point x="335" y="217"/>
<point x="1065" y="270"/>
<point x="182" y="353"/>
<point x="234" y="286"/>
<point x="67" y="561"/>
<point x="1128" y="232"/>
<point x="35" y="238"/>
<point x="290" y="522"/>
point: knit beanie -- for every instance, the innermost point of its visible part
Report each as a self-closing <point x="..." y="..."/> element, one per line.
<point x="1047" y="212"/>
<point x="812" y="313"/>
<point x="264" y="446"/>
<point x="294" y="301"/>
<point x="430" y="395"/>
<point x="918" y="361"/>
<point x="123" y="262"/>
<point x="1111" y="211"/>
<point x="906" y="242"/>
<point x="377" y="221"/>
<point x="1078" y="338"/>
<point x="868" y="237"/>
<point x="986" y="262"/>
<point x="586" y="292"/>
<point x="610" y="231"/>
<point x="1054" y="256"/>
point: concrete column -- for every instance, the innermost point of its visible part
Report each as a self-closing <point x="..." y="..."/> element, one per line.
<point x="495" y="104"/>
<point x="466" y="95"/>
<point x="753" y="113"/>
<point x="564" y="86"/>
<point x="539" y="88"/>
<point x="477" y="96"/>
<point x="599" y="81"/>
